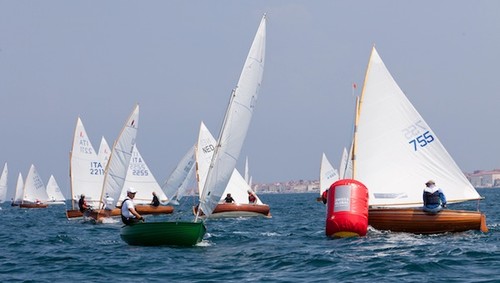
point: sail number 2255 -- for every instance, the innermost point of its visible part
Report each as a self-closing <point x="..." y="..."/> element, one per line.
<point x="422" y="140"/>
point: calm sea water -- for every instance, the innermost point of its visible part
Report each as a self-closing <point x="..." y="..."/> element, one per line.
<point x="41" y="245"/>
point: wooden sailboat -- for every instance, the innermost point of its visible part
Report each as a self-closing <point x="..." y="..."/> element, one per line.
<point x="34" y="192"/>
<point x="237" y="186"/>
<point x="227" y="150"/>
<point x="86" y="172"/>
<point x="395" y="153"/>
<point x="140" y="177"/>
<point x="117" y="167"/>
<point x="54" y="192"/>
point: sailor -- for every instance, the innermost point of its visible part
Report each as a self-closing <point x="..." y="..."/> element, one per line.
<point x="155" y="202"/>
<point x="434" y="199"/>
<point x="251" y="197"/>
<point x="229" y="198"/>
<point x="129" y="214"/>
<point x="82" y="204"/>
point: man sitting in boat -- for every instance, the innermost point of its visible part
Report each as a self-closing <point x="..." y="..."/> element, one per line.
<point x="155" y="202"/>
<point x="129" y="214"/>
<point x="251" y="197"/>
<point x="324" y="196"/>
<point x="82" y="204"/>
<point x="229" y="198"/>
<point x="434" y="199"/>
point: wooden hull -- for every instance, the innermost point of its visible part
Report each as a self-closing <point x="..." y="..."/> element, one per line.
<point x="229" y="210"/>
<point x="417" y="221"/>
<point x="141" y="209"/>
<point x="163" y="233"/>
<point x="33" y="205"/>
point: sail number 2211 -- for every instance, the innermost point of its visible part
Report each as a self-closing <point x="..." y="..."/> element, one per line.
<point x="422" y="140"/>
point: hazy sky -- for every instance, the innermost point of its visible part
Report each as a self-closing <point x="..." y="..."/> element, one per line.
<point x="180" y="59"/>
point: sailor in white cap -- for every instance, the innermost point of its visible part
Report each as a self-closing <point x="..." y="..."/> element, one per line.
<point x="129" y="214"/>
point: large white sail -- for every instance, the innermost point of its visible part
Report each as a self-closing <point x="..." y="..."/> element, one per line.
<point x="140" y="177"/>
<point x="179" y="179"/>
<point x="3" y="183"/>
<point x="34" y="189"/>
<point x="236" y="123"/>
<point x="54" y="191"/>
<point x="396" y="151"/>
<point x="86" y="168"/>
<point x="118" y="163"/>
<point x="328" y="175"/>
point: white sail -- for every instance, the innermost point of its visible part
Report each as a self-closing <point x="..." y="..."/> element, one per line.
<point x="236" y="123"/>
<point x="53" y="191"/>
<point x="179" y="179"/>
<point x="396" y="151"/>
<point x="140" y="177"/>
<point x="343" y="164"/>
<point x="18" y="197"/>
<point x="237" y="186"/>
<point x="348" y="165"/>
<point x="104" y="152"/>
<point x="3" y="183"/>
<point x="118" y="163"/>
<point x="328" y="175"/>
<point x="34" y="189"/>
<point x="86" y="168"/>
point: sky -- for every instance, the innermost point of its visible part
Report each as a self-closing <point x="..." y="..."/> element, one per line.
<point x="60" y="60"/>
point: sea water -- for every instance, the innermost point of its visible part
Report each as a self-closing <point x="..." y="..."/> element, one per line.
<point x="41" y="245"/>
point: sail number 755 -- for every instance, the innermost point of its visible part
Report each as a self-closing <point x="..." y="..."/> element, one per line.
<point x="422" y="140"/>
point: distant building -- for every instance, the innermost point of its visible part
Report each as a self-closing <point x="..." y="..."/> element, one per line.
<point x="485" y="179"/>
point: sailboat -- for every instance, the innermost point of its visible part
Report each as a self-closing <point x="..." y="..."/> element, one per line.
<point x="227" y="150"/>
<point x="34" y="192"/>
<point x="140" y="177"/>
<point x="54" y="192"/>
<point x="18" y="195"/>
<point x="176" y="186"/>
<point x="117" y="168"/>
<point x="327" y="176"/>
<point x="86" y="172"/>
<point x="3" y="183"/>
<point x="237" y="186"/>
<point x="395" y="152"/>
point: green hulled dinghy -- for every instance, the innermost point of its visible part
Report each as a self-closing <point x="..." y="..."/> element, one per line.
<point x="163" y="233"/>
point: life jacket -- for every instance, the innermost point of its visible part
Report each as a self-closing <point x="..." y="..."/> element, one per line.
<point x="432" y="198"/>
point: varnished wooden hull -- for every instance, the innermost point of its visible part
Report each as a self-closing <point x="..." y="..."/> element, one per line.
<point x="33" y="205"/>
<point x="141" y="209"/>
<point x="228" y="210"/>
<point x="417" y="221"/>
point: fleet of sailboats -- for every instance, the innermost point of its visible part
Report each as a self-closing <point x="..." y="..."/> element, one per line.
<point x="223" y="162"/>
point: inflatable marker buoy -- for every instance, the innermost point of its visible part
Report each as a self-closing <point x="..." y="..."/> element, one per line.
<point x="347" y="209"/>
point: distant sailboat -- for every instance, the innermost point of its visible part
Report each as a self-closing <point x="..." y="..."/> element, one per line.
<point x="86" y="172"/>
<point x="327" y="176"/>
<point x="237" y="186"/>
<point x="35" y="194"/>
<point x="3" y="183"/>
<point x="140" y="177"/>
<point x="54" y="192"/>
<point x="117" y="167"/>
<point x="177" y="183"/>
<point x="18" y="196"/>
<point x="232" y="135"/>
<point x="395" y="152"/>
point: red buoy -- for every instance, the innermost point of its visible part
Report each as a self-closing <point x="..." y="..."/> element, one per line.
<point x="347" y="209"/>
